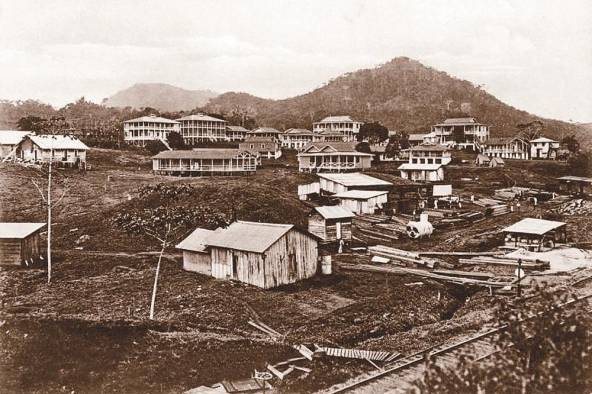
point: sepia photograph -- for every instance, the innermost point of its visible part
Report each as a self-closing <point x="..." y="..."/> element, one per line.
<point x="296" y="196"/>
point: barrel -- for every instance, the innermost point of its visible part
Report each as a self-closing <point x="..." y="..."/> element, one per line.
<point x="326" y="265"/>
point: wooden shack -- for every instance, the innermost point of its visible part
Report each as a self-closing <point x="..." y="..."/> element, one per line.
<point x="20" y="243"/>
<point x="331" y="223"/>
<point x="575" y="185"/>
<point x="363" y="201"/>
<point x="266" y="255"/>
<point x="331" y="183"/>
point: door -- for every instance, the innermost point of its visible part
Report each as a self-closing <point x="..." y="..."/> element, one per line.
<point x="338" y="229"/>
<point x="234" y="266"/>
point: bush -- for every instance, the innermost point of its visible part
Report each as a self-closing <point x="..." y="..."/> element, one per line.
<point x="155" y="147"/>
<point x="548" y="353"/>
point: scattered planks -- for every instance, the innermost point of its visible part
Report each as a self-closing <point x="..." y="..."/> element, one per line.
<point x="421" y="273"/>
<point x="485" y="260"/>
<point x="465" y="274"/>
<point x="266" y="330"/>
<point x="399" y="255"/>
<point x="440" y="253"/>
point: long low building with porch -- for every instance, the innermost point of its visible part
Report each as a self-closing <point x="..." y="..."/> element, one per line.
<point x="204" y="161"/>
<point x="332" y="157"/>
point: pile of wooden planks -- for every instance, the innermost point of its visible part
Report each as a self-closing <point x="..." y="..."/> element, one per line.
<point x="527" y="264"/>
<point x="404" y="256"/>
<point x="486" y="202"/>
<point x="498" y="210"/>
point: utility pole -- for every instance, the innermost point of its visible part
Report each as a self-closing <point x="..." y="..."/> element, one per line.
<point x="49" y="216"/>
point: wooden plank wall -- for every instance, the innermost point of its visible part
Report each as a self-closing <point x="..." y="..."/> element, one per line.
<point x="197" y="262"/>
<point x="31" y="248"/>
<point x="10" y="251"/>
<point x="316" y="226"/>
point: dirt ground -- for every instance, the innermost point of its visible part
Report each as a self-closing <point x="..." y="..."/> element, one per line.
<point x="88" y="331"/>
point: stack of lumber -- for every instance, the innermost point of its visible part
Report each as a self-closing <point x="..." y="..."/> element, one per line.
<point x="403" y="256"/>
<point x="576" y="207"/>
<point x="424" y="274"/>
<point x="527" y="264"/>
<point x="372" y="229"/>
<point x="498" y="210"/>
<point x="486" y="202"/>
<point x="472" y="216"/>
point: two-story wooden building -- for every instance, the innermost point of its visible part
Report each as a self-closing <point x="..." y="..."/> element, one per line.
<point x="544" y="148"/>
<point x="296" y="138"/>
<point x="202" y="161"/>
<point x="140" y="131"/>
<point x="506" y="148"/>
<point x="265" y="132"/>
<point x="462" y="132"/>
<point x="236" y="133"/>
<point x="345" y="125"/>
<point x="426" y="163"/>
<point x="265" y="255"/>
<point x="332" y="156"/>
<point x="263" y="147"/>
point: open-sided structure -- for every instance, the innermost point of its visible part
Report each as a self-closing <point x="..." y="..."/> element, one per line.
<point x="535" y="233"/>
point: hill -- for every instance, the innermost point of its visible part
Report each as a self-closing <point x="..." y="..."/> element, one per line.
<point x="160" y="96"/>
<point x="402" y="94"/>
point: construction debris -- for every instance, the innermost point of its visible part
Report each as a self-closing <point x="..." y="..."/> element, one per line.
<point x="526" y="263"/>
<point x="403" y="256"/>
<point x="360" y="354"/>
<point x="575" y="207"/>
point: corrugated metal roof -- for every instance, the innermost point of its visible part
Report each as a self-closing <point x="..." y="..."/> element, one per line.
<point x="261" y="130"/>
<point x="315" y="147"/>
<point x="12" y="137"/>
<point x="533" y="226"/>
<point x="298" y="132"/>
<point x="201" y="153"/>
<point x="429" y="148"/>
<point x="354" y="179"/>
<point x="197" y="241"/>
<point x="334" y="212"/>
<point x="426" y="167"/>
<point x="58" y="142"/>
<point x="237" y="128"/>
<point x="152" y="118"/>
<point x="200" y="117"/>
<point x="360" y="194"/>
<point x="249" y="236"/>
<point x="460" y="121"/>
<point x="19" y="230"/>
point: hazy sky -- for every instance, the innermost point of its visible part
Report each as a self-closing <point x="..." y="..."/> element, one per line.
<point x="535" y="55"/>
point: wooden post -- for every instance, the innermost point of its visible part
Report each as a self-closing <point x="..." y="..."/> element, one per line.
<point x="49" y="217"/>
<point x="153" y="301"/>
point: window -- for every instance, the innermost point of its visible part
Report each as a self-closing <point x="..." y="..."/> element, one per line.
<point x="263" y="145"/>
<point x="251" y="146"/>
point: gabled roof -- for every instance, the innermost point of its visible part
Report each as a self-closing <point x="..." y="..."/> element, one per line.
<point x="543" y="139"/>
<point x="483" y="157"/>
<point x="200" y="117"/>
<point x="298" y="132"/>
<point x="152" y="118"/>
<point x="334" y="212"/>
<point x="201" y="153"/>
<point x="360" y="194"/>
<point x="572" y="178"/>
<point x="459" y="121"/>
<point x="419" y="167"/>
<point x="330" y="147"/>
<point x="249" y="236"/>
<point x="497" y="160"/>
<point x="337" y="119"/>
<point x="12" y="137"/>
<point x="57" y="142"/>
<point x="499" y="140"/>
<point x="197" y="241"/>
<point x="18" y="230"/>
<point x="533" y="226"/>
<point x="354" y="179"/>
<point x="266" y="130"/>
<point x="237" y="129"/>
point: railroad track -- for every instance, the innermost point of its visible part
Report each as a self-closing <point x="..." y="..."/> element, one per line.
<point x="399" y="376"/>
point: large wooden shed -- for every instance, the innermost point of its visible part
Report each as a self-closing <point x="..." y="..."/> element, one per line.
<point x="266" y="255"/>
<point x="363" y="201"/>
<point x="331" y="223"/>
<point x="20" y="243"/>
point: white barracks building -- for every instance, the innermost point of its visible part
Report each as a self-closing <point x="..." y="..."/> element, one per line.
<point x="341" y="124"/>
<point x="148" y="128"/>
<point x="202" y="128"/>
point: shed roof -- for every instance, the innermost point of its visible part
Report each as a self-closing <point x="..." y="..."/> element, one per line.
<point x="426" y="167"/>
<point x="197" y="241"/>
<point x="57" y="142"/>
<point x="571" y="178"/>
<point x="12" y="137"/>
<point x="334" y="212"/>
<point x="201" y="153"/>
<point x="152" y="118"/>
<point x="354" y="179"/>
<point x="533" y="226"/>
<point x="360" y="194"/>
<point x="249" y="236"/>
<point x="19" y="230"/>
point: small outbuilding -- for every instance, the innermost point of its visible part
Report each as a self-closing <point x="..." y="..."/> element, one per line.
<point x="497" y="162"/>
<point x="575" y="185"/>
<point x="20" y="243"/>
<point x="331" y="223"/>
<point x="331" y="183"/>
<point x="535" y="233"/>
<point x="9" y="141"/>
<point x="482" y="160"/>
<point x="362" y="201"/>
<point x="265" y="255"/>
